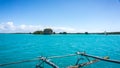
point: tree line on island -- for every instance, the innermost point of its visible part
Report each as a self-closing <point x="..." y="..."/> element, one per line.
<point x="49" y="31"/>
<point x="45" y="31"/>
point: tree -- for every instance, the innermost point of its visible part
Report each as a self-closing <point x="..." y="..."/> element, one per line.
<point x="48" y="31"/>
<point x="86" y="32"/>
<point x="63" y="33"/>
<point x="38" y="32"/>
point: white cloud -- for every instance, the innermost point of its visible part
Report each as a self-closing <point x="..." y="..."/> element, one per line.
<point x="64" y="29"/>
<point x="10" y="27"/>
<point x="29" y="28"/>
<point x="1" y="27"/>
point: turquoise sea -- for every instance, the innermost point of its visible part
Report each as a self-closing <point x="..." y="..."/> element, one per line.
<point x="17" y="47"/>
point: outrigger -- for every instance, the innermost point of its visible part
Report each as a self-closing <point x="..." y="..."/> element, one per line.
<point x="77" y="64"/>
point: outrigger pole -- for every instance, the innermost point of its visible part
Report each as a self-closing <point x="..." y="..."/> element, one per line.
<point x="96" y="57"/>
<point x="86" y="63"/>
<point x="44" y="59"/>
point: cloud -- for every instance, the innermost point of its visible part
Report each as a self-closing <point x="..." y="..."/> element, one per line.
<point x="10" y="27"/>
<point x="1" y="27"/>
<point x="64" y="29"/>
<point x="29" y="28"/>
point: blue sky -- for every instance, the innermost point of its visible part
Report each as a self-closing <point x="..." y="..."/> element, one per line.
<point x="60" y="15"/>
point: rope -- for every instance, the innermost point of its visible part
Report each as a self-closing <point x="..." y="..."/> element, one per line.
<point x="62" y="56"/>
<point x="30" y="60"/>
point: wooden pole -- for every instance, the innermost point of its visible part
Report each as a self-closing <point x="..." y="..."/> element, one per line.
<point x="48" y="62"/>
<point x="96" y="57"/>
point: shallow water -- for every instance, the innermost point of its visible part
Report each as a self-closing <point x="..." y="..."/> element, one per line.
<point x="17" y="47"/>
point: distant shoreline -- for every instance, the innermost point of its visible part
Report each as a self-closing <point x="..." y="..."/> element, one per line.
<point x="102" y="33"/>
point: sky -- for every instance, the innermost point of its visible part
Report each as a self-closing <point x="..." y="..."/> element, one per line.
<point x="60" y="15"/>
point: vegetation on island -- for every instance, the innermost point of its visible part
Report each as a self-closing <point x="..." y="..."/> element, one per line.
<point x="86" y="32"/>
<point x="63" y="33"/>
<point x="49" y="31"/>
<point x="45" y="31"/>
<point x="38" y="32"/>
<point x="113" y="32"/>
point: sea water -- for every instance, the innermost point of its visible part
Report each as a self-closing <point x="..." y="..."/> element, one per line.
<point x="17" y="47"/>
